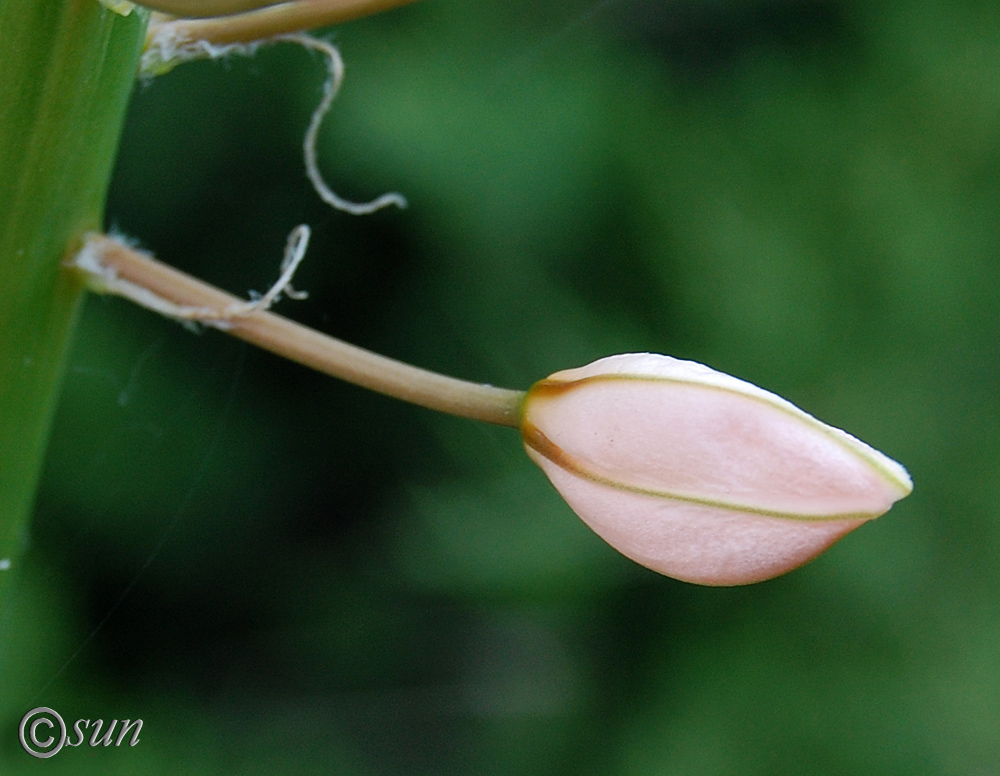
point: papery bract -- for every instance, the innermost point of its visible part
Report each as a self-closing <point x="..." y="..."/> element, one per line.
<point x="699" y="475"/>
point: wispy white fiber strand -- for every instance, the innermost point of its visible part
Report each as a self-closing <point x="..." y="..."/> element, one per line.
<point x="335" y="69"/>
<point x="295" y="251"/>
<point x="103" y="279"/>
<point x="169" y="48"/>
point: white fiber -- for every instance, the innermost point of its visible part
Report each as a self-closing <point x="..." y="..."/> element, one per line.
<point x="170" y="47"/>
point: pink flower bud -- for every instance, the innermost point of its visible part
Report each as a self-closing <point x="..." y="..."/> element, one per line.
<point x="699" y="475"/>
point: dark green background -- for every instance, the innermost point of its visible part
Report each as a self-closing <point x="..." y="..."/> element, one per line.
<point x="280" y="573"/>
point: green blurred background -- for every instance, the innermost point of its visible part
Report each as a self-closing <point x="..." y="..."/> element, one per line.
<point x="280" y="573"/>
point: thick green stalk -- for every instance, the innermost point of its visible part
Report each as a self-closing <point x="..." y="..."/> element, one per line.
<point x="66" y="72"/>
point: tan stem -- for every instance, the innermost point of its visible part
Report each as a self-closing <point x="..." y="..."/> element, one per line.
<point x="265" y="22"/>
<point x="206" y="7"/>
<point x="302" y="344"/>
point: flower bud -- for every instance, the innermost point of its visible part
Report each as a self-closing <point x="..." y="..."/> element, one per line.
<point x="699" y="475"/>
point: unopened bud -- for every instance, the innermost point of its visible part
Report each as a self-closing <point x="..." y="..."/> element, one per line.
<point x="699" y="475"/>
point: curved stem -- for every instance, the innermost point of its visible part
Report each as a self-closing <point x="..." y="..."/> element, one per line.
<point x="199" y="8"/>
<point x="141" y="278"/>
<point x="275" y="19"/>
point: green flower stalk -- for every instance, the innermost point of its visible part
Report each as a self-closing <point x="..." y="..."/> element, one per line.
<point x="66" y="73"/>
